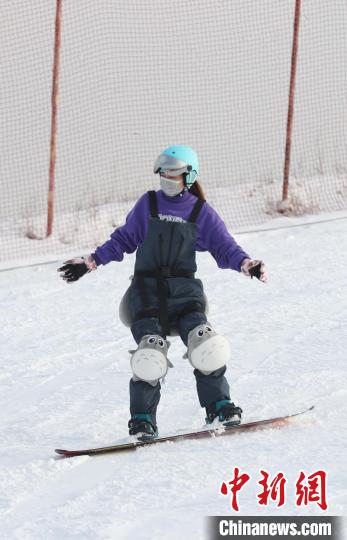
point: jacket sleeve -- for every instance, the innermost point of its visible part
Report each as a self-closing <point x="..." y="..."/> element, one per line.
<point x="214" y="237"/>
<point x="126" y="238"/>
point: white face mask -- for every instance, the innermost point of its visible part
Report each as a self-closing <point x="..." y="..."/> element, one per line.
<point x="171" y="188"/>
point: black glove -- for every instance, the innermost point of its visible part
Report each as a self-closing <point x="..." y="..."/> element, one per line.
<point x="255" y="271"/>
<point x="254" y="268"/>
<point x="74" y="269"/>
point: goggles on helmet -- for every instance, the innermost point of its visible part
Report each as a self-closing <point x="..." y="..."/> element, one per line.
<point x="175" y="172"/>
<point x="165" y="163"/>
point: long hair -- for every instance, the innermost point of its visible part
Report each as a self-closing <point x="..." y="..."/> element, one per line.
<point x="197" y="190"/>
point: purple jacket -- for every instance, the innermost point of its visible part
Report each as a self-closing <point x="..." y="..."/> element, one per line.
<point x="212" y="234"/>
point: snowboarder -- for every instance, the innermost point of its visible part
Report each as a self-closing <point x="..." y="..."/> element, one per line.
<point x="166" y="228"/>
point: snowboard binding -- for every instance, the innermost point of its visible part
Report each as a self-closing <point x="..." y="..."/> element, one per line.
<point x="143" y="427"/>
<point x="226" y="412"/>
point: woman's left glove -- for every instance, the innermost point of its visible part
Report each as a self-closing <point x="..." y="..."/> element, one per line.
<point x="251" y="268"/>
<point x="74" y="269"/>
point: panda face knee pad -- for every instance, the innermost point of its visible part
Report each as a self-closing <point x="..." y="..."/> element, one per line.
<point x="207" y="350"/>
<point x="149" y="362"/>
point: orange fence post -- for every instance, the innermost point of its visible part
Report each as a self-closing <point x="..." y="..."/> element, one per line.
<point x="291" y="101"/>
<point x="55" y="94"/>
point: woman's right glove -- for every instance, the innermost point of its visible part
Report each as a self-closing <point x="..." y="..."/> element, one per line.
<point x="74" y="269"/>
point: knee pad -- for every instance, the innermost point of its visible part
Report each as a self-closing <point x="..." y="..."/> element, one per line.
<point x="149" y="361"/>
<point x="207" y="350"/>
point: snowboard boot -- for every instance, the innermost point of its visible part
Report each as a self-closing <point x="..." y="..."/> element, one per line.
<point x="227" y="413"/>
<point x="143" y="427"/>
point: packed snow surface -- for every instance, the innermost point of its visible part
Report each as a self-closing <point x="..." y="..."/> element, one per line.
<point x="64" y="383"/>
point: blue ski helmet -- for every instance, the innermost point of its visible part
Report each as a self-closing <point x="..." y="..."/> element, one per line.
<point x="177" y="160"/>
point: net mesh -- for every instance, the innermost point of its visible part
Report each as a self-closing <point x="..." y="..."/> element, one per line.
<point x="136" y="77"/>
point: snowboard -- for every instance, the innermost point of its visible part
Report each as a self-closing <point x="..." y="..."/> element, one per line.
<point x="200" y="434"/>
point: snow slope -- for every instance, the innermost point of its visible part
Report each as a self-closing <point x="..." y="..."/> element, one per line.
<point x="64" y="382"/>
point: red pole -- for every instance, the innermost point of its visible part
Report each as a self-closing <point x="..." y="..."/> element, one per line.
<point x="291" y="100"/>
<point x="55" y="95"/>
